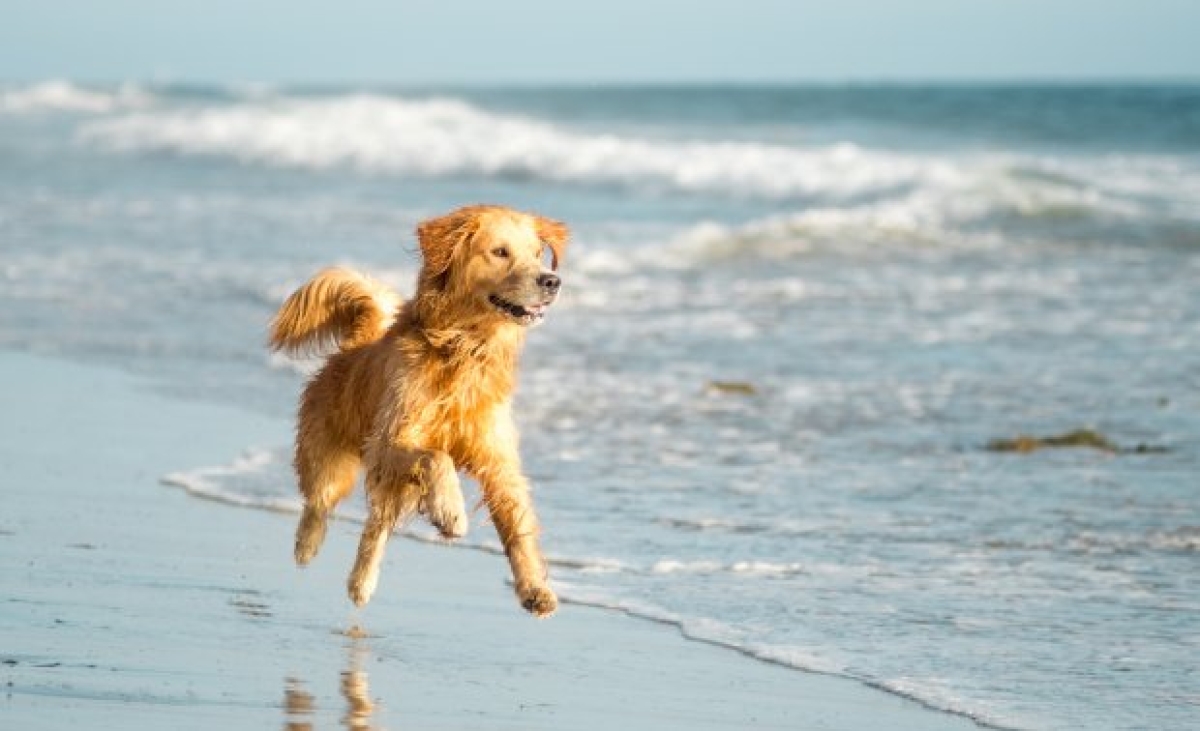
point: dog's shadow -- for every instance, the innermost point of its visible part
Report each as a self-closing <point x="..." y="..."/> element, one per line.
<point x="300" y="706"/>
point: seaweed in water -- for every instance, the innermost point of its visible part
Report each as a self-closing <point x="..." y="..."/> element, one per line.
<point x="1085" y="438"/>
<point x="734" y="388"/>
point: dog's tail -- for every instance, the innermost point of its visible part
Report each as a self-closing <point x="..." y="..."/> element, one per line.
<point x="338" y="307"/>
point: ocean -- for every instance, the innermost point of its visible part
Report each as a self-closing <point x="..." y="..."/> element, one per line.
<point x="795" y="322"/>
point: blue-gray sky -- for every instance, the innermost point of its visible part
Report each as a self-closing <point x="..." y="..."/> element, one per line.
<point x="639" y="41"/>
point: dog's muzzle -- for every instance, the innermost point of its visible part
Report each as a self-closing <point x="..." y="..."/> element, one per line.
<point x="548" y="285"/>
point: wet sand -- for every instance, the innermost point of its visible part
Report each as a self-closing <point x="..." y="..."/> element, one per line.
<point x="125" y="603"/>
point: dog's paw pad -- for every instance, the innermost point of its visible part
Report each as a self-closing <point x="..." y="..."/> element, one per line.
<point x="539" y="601"/>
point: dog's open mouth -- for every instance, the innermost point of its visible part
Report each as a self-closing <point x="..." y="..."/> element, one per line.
<point x="524" y="314"/>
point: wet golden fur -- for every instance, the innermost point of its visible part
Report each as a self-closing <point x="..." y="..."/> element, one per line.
<point x="420" y="390"/>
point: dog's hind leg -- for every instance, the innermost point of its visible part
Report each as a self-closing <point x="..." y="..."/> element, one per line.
<point x="399" y="483"/>
<point x="326" y="478"/>
<point x="388" y="506"/>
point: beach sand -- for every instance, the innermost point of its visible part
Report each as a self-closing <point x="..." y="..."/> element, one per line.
<point x="125" y="603"/>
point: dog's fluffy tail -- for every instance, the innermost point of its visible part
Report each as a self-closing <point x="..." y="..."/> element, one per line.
<point x="338" y="307"/>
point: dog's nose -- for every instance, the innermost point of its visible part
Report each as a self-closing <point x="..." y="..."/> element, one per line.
<point x="549" y="282"/>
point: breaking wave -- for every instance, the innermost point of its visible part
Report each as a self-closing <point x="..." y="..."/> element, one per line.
<point x="63" y="96"/>
<point x="842" y="185"/>
<point x="445" y="136"/>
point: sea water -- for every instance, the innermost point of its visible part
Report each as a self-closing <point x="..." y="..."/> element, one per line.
<point x="793" y="320"/>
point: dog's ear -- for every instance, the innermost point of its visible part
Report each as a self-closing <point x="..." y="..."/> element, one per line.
<point x="553" y="234"/>
<point x="441" y="237"/>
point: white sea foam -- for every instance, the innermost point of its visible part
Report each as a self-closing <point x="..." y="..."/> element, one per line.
<point x="937" y="693"/>
<point x="766" y="568"/>
<point x="597" y="565"/>
<point x="446" y="136"/>
<point x="960" y="208"/>
<point x="747" y="568"/>
<point x="672" y="566"/>
<point x="706" y="630"/>
<point x="63" y="96"/>
<point x="213" y="483"/>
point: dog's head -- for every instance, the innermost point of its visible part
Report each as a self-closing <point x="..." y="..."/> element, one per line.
<point x="493" y="262"/>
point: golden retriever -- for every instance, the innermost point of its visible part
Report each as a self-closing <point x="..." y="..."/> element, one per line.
<point x="419" y="390"/>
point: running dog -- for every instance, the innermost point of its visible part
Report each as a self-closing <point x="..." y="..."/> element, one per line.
<point x="417" y="391"/>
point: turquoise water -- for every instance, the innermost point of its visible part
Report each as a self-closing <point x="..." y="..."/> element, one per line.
<point x="898" y="274"/>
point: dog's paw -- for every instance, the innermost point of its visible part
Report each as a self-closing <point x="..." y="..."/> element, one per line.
<point x="361" y="588"/>
<point x="363" y="583"/>
<point x="310" y="534"/>
<point x="538" y="601"/>
<point x="451" y="525"/>
<point x="446" y="511"/>
<point x="306" y="549"/>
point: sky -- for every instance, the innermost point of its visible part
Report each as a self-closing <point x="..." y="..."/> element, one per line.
<point x="605" y="41"/>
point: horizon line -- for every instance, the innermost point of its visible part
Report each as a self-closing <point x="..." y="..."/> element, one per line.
<point x="799" y="82"/>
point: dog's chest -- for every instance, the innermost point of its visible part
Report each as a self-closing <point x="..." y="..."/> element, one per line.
<point x="459" y="419"/>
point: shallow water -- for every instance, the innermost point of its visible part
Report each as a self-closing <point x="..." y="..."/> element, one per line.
<point x="896" y="275"/>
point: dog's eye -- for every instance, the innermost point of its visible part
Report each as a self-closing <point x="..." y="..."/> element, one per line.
<point x="500" y="252"/>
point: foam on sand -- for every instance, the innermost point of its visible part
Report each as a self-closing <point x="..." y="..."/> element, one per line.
<point x="213" y="483"/>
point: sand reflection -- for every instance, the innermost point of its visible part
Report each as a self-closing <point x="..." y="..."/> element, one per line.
<point x="300" y="706"/>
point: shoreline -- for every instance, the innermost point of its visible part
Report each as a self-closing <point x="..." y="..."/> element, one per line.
<point x="128" y="602"/>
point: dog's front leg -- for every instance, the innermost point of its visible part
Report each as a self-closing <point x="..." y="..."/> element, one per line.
<point x="506" y="493"/>
<point x="441" y="495"/>
<point x="401" y="481"/>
